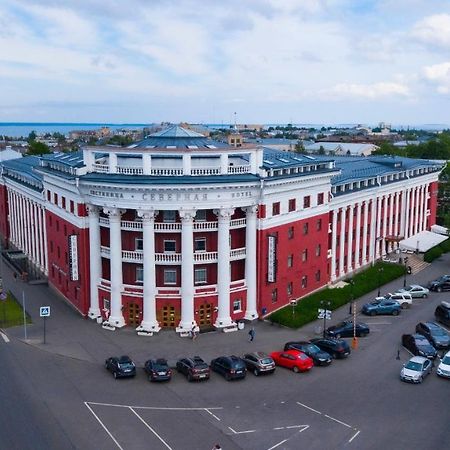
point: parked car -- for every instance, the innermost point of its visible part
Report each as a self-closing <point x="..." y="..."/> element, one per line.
<point x="194" y="368"/>
<point x="442" y="313"/>
<point x="443" y="369"/>
<point x="403" y="298"/>
<point x="157" y="370"/>
<point x="259" y="362"/>
<point x="419" y="345"/>
<point x="121" y="366"/>
<point x="438" y="337"/>
<point x="416" y="369"/>
<point x="319" y="357"/>
<point x="345" y="329"/>
<point x="382" y="307"/>
<point x="337" y="348"/>
<point x="231" y="367"/>
<point x="441" y="284"/>
<point x="293" y="359"/>
<point x="415" y="290"/>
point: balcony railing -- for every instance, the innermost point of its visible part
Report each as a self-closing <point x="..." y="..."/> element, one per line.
<point x="166" y="172"/>
<point x="130" y="170"/>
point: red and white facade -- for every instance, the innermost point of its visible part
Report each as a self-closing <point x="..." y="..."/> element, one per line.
<point x="181" y="232"/>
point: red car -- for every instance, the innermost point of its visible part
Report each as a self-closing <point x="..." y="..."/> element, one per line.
<point x="293" y="359"/>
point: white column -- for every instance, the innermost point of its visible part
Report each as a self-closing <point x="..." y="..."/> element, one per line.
<point x="95" y="261"/>
<point x="383" y="242"/>
<point x="421" y="197"/>
<point x="250" y="261"/>
<point x="112" y="162"/>
<point x="333" y="244"/>
<point x="358" y="235"/>
<point x="223" y="163"/>
<point x="342" y="243"/>
<point x="115" y="238"/>
<point x="373" y="222"/>
<point x="20" y="223"/>
<point x="411" y="211"/>
<point x="223" y="267"/>
<point x="44" y="232"/>
<point x="391" y="219"/>
<point x="378" y="227"/>
<point x="425" y="206"/>
<point x="186" y="164"/>
<point x="34" y="232"/>
<point x="149" y="324"/>
<point x="350" y="240"/>
<point x="187" y="272"/>
<point x="146" y="163"/>
<point x="406" y="212"/>
<point x="416" y="209"/>
<point x="40" y="212"/>
<point x="23" y="215"/>
<point x="397" y="200"/>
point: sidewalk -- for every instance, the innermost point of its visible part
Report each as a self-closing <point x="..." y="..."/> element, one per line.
<point x="70" y="335"/>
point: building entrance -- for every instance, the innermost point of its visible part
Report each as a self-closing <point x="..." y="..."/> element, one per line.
<point x="168" y="316"/>
<point x="205" y="316"/>
<point x="134" y="314"/>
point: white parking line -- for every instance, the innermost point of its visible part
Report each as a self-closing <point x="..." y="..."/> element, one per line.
<point x="338" y="421"/>
<point x="277" y="445"/>
<point x="241" y="432"/>
<point x="103" y="425"/>
<point x="209" y="412"/>
<point x="307" y="407"/>
<point x="5" y="338"/>
<point x="155" y="407"/>
<point x="151" y="429"/>
<point x="353" y="437"/>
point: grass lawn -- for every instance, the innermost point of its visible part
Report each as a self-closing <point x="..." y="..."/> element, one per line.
<point x="364" y="282"/>
<point x="11" y="312"/>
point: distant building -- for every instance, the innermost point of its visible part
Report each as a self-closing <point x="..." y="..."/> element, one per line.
<point x="274" y="143"/>
<point x="342" y="148"/>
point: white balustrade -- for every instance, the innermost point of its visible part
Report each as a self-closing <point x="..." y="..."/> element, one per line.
<point x="237" y="253"/>
<point x="131" y="225"/>
<point x="104" y="251"/>
<point x="160" y="226"/>
<point x="101" y="168"/>
<point x="130" y="170"/>
<point x="238" y="223"/>
<point x="206" y="171"/>
<point x="205" y="257"/>
<point x="168" y="258"/>
<point x="238" y="169"/>
<point x="166" y="172"/>
<point x="205" y="226"/>
<point x="132" y="256"/>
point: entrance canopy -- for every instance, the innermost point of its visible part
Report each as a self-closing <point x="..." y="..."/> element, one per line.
<point x="422" y="241"/>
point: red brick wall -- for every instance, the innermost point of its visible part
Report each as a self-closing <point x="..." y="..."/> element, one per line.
<point x="4" y="211"/>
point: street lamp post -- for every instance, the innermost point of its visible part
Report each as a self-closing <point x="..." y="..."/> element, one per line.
<point x="406" y="270"/>
<point x="380" y="271"/>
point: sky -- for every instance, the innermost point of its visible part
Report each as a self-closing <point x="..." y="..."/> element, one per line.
<point x="209" y="61"/>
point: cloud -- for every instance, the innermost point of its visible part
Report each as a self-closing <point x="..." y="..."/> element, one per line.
<point x="434" y="30"/>
<point x="439" y="74"/>
<point x="372" y="91"/>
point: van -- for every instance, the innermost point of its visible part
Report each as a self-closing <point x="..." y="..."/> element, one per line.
<point x="442" y="313"/>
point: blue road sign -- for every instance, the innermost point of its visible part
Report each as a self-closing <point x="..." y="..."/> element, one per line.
<point x="44" y="311"/>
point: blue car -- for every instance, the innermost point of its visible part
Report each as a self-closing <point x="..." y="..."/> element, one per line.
<point x="382" y="307"/>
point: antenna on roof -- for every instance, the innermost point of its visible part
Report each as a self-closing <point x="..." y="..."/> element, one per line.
<point x="235" y="124"/>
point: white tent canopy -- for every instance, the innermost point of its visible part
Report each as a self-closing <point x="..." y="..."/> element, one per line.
<point x="422" y="241"/>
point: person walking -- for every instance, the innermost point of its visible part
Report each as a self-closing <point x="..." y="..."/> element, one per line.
<point x="217" y="447"/>
<point x="251" y="334"/>
<point x="193" y="332"/>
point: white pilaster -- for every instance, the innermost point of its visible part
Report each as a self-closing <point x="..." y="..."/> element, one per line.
<point x="44" y="233"/>
<point x="223" y="163"/>
<point x="21" y="223"/>
<point x="223" y="267"/>
<point x="378" y="227"/>
<point x="350" y="240"/>
<point x="40" y="237"/>
<point x="421" y="197"/>
<point x="146" y="163"/>
<point x="416" y="209"/>
<point x="425" y="206"/>
<point x="358" y="235"/>
<point x="115" y="238"/>
<point x="95" y="261"/>
<point x="186" y="164"/>
<point x="406" y="213"/>
<point x="342" y="243"/>
<point x="333" y="244"/>
<point x="397" y="200"/>
<point x="112" y="162"/>
<point x="385" y="211"/>
<point x="149" y="324"/>
<point x="411" y="211"/>
<point x="373" y="222"/>
<point x="187" y="272"/>
<point x="250" y="261"/>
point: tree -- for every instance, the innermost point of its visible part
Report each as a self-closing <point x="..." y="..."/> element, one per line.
<point x="299" y="147"/>
<point x="37" y="148"/>
<point x="321" y="150"/>
<point x="32" y="136"/>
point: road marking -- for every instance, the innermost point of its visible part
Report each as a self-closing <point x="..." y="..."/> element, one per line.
<point x="277" y="445"/>
<point x="380" y="323"/>
<point x="338" y="421"/>
<point x="103" y="425"/>
<point x="241" y="432"/>
<point x="305" y="427"/>
<point x="5" y="338"/>
<point x="353" y="437"/>
<point x="209" y="412"/>
<point x="151" y="429"/>
<point x="154" y="407"/>
<point x="307" y="407"/>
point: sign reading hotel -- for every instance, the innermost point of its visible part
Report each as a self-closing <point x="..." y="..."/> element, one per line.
<point x="271" y="258"/>
<point x="73" y="257"/>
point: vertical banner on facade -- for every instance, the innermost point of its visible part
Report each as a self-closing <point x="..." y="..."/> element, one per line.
<point x="271" y="258"/>
<point x="73" y="257"/>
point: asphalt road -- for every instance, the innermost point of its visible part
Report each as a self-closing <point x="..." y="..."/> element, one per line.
<point x="54" y="402"/>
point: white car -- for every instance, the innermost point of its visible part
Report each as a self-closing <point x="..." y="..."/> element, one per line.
<point x="403" y="298"/>
<point x="443" y="369"/>
<point x="415" y="290"/>
<point x="416" y="369"/>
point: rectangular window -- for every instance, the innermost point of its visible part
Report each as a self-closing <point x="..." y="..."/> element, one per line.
<point x="305" y="255"/>
<point x="318" y="250"/>
<point x="200" y="215"/>
<point x="200" y="276"/>
<point x="139" y="244"/>
<point x="55" y="199"/>
<point x="289" y="288"/>
<point x="170" y="276"/>
<point x="318" y="275"/>
<point x="200" y="245"/>
<point x="290" y="261"/>
<point x="63" y="202"/>
<point x="305" y="228"/>
<point x="72" y="206"/>
<point x="275" y="209"/>
<point x="274" y="295"/>
<point x="106" y="304"/>
<point x="320" y="198"/>
<point x="291" y="233"/>
<point x="292" y="204"/>
<point x="169" y="215"/>
<point x="139" y="274"/>
<point x="169" y="246"/>
<point x="319" y="224"/>
<point x="307" y="201"/>
<point x="304" y="281"/>
<point x="237" y="305"/>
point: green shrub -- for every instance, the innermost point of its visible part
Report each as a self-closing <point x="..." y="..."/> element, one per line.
<point x="432" y="254"/>
<point x="306" y="309"/>
<point x="445" y="246"/>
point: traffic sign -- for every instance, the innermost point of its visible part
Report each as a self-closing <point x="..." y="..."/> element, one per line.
<point x="44" y="311"/>
<point x="324" y="313"/>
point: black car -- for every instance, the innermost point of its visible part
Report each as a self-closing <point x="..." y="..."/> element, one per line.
<point x="259" y="362"/>
<point x="194" y="368"/>
<point x="121" y="366"/>
<point x="442" y="313"/>
<point x="157" y="370"/>
<point x="441" y="284"/>
<point x="231" y="367"/>
<point x="419" y="345"/>
<point x="337" y="348"/>
<point x="319" y="357"/>
<point x="438" y="337"/>
<point x="345" y="329"/>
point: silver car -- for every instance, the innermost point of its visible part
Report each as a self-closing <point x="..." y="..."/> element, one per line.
<point x="416" y="369"/>
<point x="415" y="290"/>
<point x="259" y="362"/>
